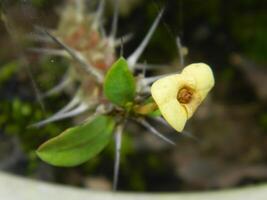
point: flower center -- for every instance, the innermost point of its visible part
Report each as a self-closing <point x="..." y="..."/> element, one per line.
<point x="185" y="95"/>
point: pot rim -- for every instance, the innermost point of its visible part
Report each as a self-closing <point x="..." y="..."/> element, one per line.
<point x="13" y="187"/>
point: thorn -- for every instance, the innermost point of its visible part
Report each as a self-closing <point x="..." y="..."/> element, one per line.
<point x="59" y="87"/>
<point x="41" y="30"/>
<point x="99" y="110"/>
<point x="102" y="31"/>
<point x="132" y="59"/>
<point x="98" y="15"/>
<point x="152" y="79"/>
<point x="148" y="66"/>
<point x="183" y="133"/>
<point x="180" y="51"/>
<point x="10" y="27"/>
<point x="79" y="10"/>
<point x="39" y="38"/>
<point x="79" y="58"/>
<point x="118" y="139"/>
<point x="76" y="111"/>
<point x="155" y="131"/>
<point x="114" y="25"/>
<point x="144" y="69"/>
<point x="74" y="102"/>
<point x="35" y="87"/>
<point x="162" y="121"/>
<point x="53" y="52"/>
<point x="190" y="135"/>
<point x="121" y="50"/>
<point x="126" y="38"/>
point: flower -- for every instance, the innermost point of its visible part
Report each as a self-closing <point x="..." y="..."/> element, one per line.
<point x="179" y="95"/>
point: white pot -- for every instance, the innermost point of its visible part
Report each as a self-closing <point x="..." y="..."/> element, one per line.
<point x="18" y="188"/>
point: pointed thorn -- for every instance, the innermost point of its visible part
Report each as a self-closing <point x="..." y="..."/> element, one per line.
<point x="76" y="111"/>
<point x="53" y="52"/>
<point x="98" y="15"/>
<point x="132" y="59"/>
<point x="161" y="120"/>
<point x="180" y="51"/>
<point x="114" y="26"/>
<point x="39" y="38"/>
<point x="190" y="135"/>
<point x="74" y="102"/>
<point x="140" y="66"/>
<point x="79" y="58"/>
<point x="58" y="88"/>
<point x="152" y="79"/>
<point x="79" y="9"/>
<point x="126" y="38"/>
<point x="118" y="140"/>
<point x="155" y="131"/>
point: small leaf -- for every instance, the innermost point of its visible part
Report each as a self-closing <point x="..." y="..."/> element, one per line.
<point x="119" y="86"/>
<point x="78" y="144"/>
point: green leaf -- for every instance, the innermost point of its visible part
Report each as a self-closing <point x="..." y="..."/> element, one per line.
<point x="119" y="85"/>
<point x="78" y="144"/>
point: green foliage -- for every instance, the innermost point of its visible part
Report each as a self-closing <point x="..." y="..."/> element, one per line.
<point x="50" y="71"/>
<point x="78" y="144"/>
<point x="119" y="86"/>
<point x="7" y="70"/>
<point x="16" y="115"/>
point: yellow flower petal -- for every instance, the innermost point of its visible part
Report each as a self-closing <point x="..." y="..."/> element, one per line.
<point x="164" y="91"/>
<point x="178" y="96"/>
<point x="204" y="79"/>
<point x="203" y="76"/>
<point x="193" y="104"/>
<point x="167" y="87"/>
<point x="174" y="113"/>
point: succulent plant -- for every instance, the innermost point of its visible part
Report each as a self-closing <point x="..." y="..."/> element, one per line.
<point x="112" y="90"/>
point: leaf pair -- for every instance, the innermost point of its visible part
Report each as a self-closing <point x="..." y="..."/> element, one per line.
<point x="80" y="143"/>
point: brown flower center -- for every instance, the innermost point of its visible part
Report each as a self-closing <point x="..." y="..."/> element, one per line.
<point x="185" y="95"/>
